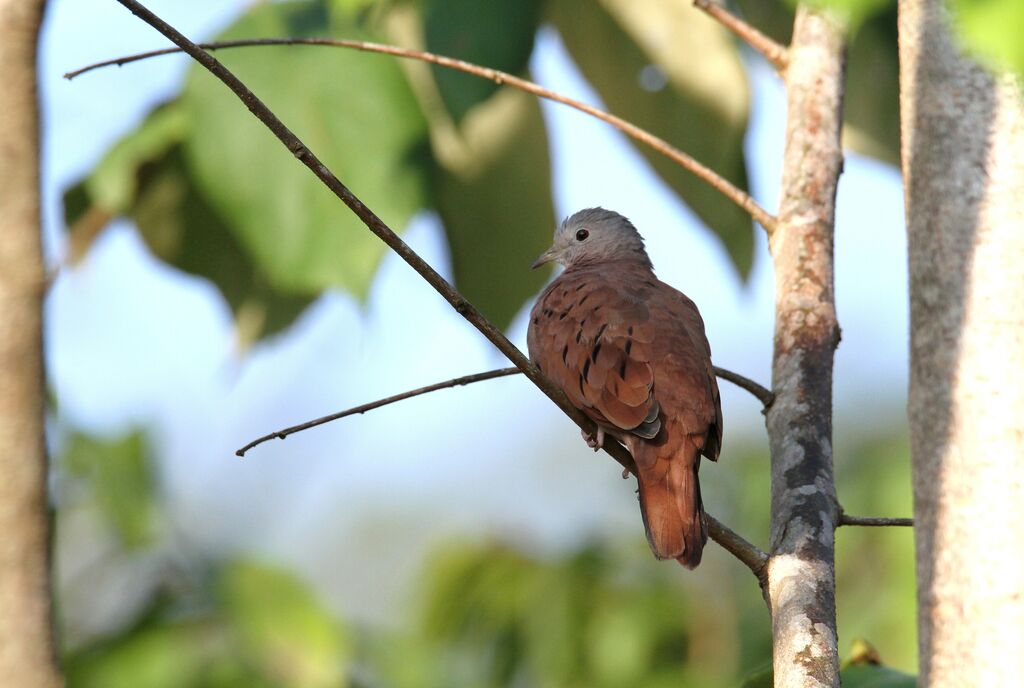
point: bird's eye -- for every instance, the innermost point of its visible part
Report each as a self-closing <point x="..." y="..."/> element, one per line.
<point x="582" y="235"/>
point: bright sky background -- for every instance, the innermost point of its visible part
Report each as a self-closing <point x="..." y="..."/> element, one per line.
<point x="351" y="505"/>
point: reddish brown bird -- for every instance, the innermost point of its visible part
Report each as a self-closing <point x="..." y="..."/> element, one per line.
<point x="630" y="352"/>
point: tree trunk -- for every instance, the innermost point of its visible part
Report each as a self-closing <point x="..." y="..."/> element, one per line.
<point x="801" y="570"/>
<point x="963" y="169"/>
<point x="26" y="644"/>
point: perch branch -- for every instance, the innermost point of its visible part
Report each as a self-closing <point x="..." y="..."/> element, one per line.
<point x="776" y="54"/>
<point x="363" y="408"/>
<point x="719" y="183"/>
<point x="757" y="390"/>
<point x="805" y="510"/>
<point x="876" y="521"/>
<point x="388" y="236"/>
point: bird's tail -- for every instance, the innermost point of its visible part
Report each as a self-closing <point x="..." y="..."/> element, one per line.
<point x="671" y="506"/>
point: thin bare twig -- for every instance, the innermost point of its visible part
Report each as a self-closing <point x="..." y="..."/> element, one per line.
<point x="764" y="395"/>
<point x="757" y="390"/>
<point x="388" y="236"/>
<point x="776" y="54"/>
<point x="753" y="556"/>
<point x="719" y="183"/>
<point x="876" y="521"/>
<point x="363" y="408"/>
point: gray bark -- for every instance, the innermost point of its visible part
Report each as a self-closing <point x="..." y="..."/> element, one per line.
<point x="963" y="167"/>
<point x="26" y="644"/>
<point x="801" y="570"/>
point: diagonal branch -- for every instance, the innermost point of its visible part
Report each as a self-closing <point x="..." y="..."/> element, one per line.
<point x="388" y="236"/>
<point x="719" y="183"/>
<point x="757" y="390"/>
<point x="776" y="54"/>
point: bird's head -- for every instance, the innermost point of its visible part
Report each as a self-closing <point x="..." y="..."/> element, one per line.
<point x="594" y="236"/>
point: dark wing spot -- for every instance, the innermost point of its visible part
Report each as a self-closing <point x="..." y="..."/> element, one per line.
<point x="630" y="331"/>
<point x="622" y="369"/>
<point x="585" y="297"/>
<point x="565" y="353"/>
<point x="564" y="313"/>
<point x="535" y="320"/>
<point x="629" y="344"/>
<point x="579" y="335"/>
<point x="586" y="368"/>
<point x="580" y="285"/>
<point x="600" y="332"/>
<point x="595" y="352"/>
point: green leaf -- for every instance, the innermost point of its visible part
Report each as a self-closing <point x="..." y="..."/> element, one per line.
<point x="119" y="475"/>
<point x="355" y="111"/>
<point x="760" y="679"/>
<point x="871" y="105"/>
<point x="282" y="627"/>
<point x="494" y="197"/>
<point x="671" y="70"/>
<point x="144" y="177"/>
<point x="851" y="12"/>
<point x="773" y="18"/>
<point x="114" y="183"/>
<point x="154" y="656"/>
<point x="497" y="34"/>
<point x="991" y="29"/>
<point x="873" y="676"/>
<point x="183" y="230"/>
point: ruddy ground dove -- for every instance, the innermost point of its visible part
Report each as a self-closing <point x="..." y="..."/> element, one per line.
<point x="630" y="352"/>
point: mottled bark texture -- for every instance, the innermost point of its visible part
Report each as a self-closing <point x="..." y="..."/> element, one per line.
<point x="963" y="168"/>
<point x="801" y="570"/>
<point x="26" y="646"/>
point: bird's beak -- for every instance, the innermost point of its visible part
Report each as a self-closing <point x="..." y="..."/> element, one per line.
<point x="545" y="257"/>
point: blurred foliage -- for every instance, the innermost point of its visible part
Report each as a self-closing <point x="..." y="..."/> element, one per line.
<point x="216" y="196"/>
<point x="871" y="103"/>
<point x="497" y="33"/>
<point x="117" y="476"/>
<point x="988" y="29"/>
<point x="992" y="30"/>
<point x="229" y="623"/>
<point x="669" y="69"/>
<point x="603" y="613"/>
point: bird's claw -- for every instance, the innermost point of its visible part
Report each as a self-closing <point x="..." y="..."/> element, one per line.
<point x="594" y="442"/>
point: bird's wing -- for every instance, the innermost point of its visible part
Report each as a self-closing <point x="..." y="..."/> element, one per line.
<point x="592" y="337"/>
<point x="688" y="389"/>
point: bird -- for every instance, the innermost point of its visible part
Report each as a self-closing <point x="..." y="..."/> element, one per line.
<point x="631" y="353"/>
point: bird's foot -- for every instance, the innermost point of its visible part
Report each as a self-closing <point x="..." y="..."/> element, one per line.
<point x="594" y="442"/>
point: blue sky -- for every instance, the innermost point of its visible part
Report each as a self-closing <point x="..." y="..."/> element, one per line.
<point x="132" y="341"/>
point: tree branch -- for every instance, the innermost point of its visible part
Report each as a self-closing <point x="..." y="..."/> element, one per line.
<point x="776" y="54"/>
<point x="757" y="390"/>
<point x="847" y="520"/>
<point x="765" y="396"/>
<point x="363" y="408"/>
<point x="388" y="236"/>
<point x="719" y="183"/>
<point x="27" y="649"/>
<point x="801" y="571"/>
